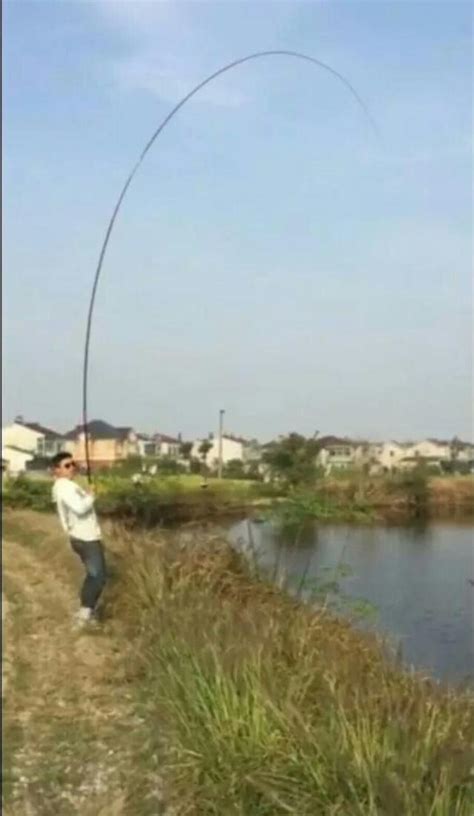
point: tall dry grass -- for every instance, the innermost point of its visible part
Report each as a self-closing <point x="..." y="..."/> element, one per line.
<point x="261" y="706"/>
<point x="404" y="495"/>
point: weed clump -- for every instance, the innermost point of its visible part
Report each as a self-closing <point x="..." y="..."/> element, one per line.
<point x="261" y="705"/>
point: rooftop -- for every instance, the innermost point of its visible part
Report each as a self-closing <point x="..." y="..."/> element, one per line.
<point x="98" y="429"/>
<point x="160" y="437"/>
<point x="41" y="429"/>
<point x="329" y="441"/>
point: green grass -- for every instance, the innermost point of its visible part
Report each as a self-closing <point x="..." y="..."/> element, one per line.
<point x="27" y="493"/>
<point x="164" y="500"/>
<point x="172" y="500"/>
<point x="260" y="706"/>
<point x="159" y="500"/>
<point x="295" y="511"/>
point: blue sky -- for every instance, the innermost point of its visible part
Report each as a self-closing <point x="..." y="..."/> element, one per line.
<point x="272" y="257"/>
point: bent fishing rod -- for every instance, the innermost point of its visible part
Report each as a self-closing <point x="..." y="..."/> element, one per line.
<point x="160" y="128"/>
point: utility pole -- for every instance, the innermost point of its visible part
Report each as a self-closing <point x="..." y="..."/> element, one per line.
<point x="221" y="428"/>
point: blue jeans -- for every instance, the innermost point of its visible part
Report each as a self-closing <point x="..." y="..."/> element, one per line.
<point x="92" y="556"/>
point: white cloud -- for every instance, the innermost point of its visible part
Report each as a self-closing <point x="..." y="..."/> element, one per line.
<point x="166" y="51"/>
<point x="137" y="15"/>
<point x="147" y="72"/>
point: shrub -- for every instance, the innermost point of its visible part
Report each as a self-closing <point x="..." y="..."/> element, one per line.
<point x="33" y="493"/>
<point x="164" y="501"/>
<point x="415" y="485"/>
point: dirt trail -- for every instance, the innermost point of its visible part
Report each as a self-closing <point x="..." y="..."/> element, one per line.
<point x="71" y="739"/>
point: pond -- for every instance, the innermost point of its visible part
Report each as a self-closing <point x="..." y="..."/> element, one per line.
<point x="417" y="580"/>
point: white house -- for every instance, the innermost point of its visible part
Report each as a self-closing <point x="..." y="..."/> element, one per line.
<point x="168" y="446"/>
<point x="15" y="459"/>
<point x="465" y="452"/>
<point x="437" y="452"/>
<point x="386" y="456"/>
<point x="145" y="445"/>
<point x="21" y="436"/>
<point x="429" y="452"/>
<point x="341" y="453"/>
<point x="32" y="437"/>
<point x="233" y="447"/>
<point x="430" y="449"/>
<point x="336" y="453"/>
<point x="159" y="445"/>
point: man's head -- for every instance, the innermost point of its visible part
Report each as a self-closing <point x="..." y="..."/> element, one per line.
<point x="63" y="466"/>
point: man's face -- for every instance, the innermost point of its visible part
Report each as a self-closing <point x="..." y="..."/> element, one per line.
<point x="66" y="469"/>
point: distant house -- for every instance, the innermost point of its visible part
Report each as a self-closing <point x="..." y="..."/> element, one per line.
<point x="168" y="446"/>
<point x="108" y="444"/>
<point x="233" y="448"/>
<point x="430" y="449"/>
<point x="159" y="445"/>
<point x="385" y="457"/>
<point x="388" y="457"/>
<point x="32" y="437"/>
<point x="145" y="445"/>
<point x="412" y="462"/>
<point x="463" y="451"/>
<point x="15" y="460"/>
<point x="439" y="454"/>
<point x="431" y="453"/>
<point x="337" y="453"/>
<point x="459" y="451"/>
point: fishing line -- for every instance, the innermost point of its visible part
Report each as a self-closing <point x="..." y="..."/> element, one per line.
<point x="166" y="120"/>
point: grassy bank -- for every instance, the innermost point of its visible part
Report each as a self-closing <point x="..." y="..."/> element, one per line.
<point x="174" y="500"/>
<point x="158" y="501"/>
<point x="209" y="692"/>
<point x="404" y="495"/>
<point x="259" y="706"/>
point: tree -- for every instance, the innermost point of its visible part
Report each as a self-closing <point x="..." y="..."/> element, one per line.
<point x="292" y="459"/>
<point x="204" y="448"/>
<point x="252" y="470"/>
<point x="234" y="469"/>
<point x="170" y="466"/>
<point x="185" y="449"/>
<point x="455" y="449"/>
<point x="195" y="465"/>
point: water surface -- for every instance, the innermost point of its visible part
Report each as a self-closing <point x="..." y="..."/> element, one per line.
<point x="417" y="578"/>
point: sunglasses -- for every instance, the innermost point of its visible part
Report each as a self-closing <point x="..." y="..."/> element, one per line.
<point x="69" y="465"/>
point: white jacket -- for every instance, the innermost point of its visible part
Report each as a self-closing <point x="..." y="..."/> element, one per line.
<point x="76" y="510"/>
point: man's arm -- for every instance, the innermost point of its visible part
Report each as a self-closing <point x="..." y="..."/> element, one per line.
<point x="71" y="497"/>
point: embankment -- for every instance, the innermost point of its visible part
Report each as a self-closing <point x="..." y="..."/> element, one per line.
<point x="217" y="692"/>
<point x="168" y="501"/>
<point x="260" y="705"/>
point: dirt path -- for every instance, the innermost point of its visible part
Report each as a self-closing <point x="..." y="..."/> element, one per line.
<point x="71" y="739"/>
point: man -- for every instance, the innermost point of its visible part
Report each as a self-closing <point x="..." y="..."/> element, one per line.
<point x="77" y="516"/>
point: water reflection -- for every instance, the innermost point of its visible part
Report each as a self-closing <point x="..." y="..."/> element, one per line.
<point x="417" y="577"/>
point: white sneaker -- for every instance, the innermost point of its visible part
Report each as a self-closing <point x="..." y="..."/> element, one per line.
<point x="84" y="616"/>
